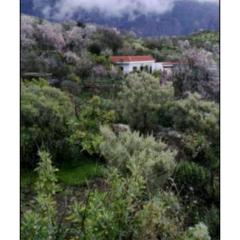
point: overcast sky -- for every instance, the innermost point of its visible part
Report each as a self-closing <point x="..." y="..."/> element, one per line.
<point x="66" y="8"/>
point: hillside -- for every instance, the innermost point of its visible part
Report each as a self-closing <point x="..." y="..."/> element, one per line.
<point x="108" y="155"/>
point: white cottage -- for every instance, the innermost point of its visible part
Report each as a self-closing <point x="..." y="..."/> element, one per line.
<point x="140" y="63"/>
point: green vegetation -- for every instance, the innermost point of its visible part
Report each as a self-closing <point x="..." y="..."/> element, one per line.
<point x="76" y="175"/>
<point x="141" y="98"/>
<point x="86" y="127"/>
<point x="125" y="211"/>
<point x="137" y="154"/>
<point x="40" y="222"/>
<point x="206" y="37"/>
<point x="43" y="108"/>
<point x="72" y="173"/>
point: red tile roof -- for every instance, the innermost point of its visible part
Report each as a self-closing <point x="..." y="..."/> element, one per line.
<point x="131" y="58"/>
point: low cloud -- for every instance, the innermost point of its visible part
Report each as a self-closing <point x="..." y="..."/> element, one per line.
<point x="67" y="8"/>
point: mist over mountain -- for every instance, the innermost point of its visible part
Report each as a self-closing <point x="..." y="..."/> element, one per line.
<point x="145" y="18"/>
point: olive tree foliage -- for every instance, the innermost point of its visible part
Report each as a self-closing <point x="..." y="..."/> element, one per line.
<point x="60" y="49"/>
<point x="196" y="114"/>
<point x="86" y="128"/>
<point x="84" y="67"/>
<point x="197" y="72"/>
<point x="132" y="153"/>
<point x="72" y="58"/>
<point x="45" y="112"/>
<point x="183" y="44"/>
<point x="198" y="121"/>
<point x="198" y="232"/>
<point x="50" y="36"/>
<point x="141" y="98"/>
<point x="78" y="38"/>
<point x="110" y="38"/>
<point x="27" y="32"/>
<point x="28" y="44"/>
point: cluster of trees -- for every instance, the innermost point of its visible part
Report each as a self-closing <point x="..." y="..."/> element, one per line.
<point x="52" y="119"/>
<point x="77" y="55"/>
<point x="162" y="161"/>
<point x="69" y="52"/>
<point x="190" y="125"/>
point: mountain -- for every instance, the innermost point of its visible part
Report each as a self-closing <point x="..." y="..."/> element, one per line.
<point x="185" y="17"/>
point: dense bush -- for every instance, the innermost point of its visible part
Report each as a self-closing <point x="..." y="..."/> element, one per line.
<point x="141" y="98"/>
<point x="109" y="215"/>
<point x="197" y="114"/>
<point x="45" y="112"/>
<point x="50" y="36"/>
<point x="198" y="232"/>
<point x="197" y="72"/>
<point x="133" y="153"/>
<point x="110" y="38"/>
<point x="86" y="128"/>
<point x="191" y="175"/>
<point x="198" y="120"/>
<point x="160" y="218"/>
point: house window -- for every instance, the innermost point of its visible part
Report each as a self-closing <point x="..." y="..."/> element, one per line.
<point x="141" y="68"/>
<point x="134" y="69"/>
<point x="121" y="68"/>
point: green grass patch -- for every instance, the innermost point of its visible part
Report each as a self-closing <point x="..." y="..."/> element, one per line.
<point x="80" y="174"/>
<point x="71" y="173"/>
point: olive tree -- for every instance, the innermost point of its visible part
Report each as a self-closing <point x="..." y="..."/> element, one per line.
<point x="86" y="128"/>
<point x="45" y="112"/>
<point x="197" y="72"/>
<point x="50" y="36"/>
<point x="141" y="98"/>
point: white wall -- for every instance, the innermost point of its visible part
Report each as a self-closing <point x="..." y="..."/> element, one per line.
<point x="128" y="67"/>
<point x="158" y="66"/>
